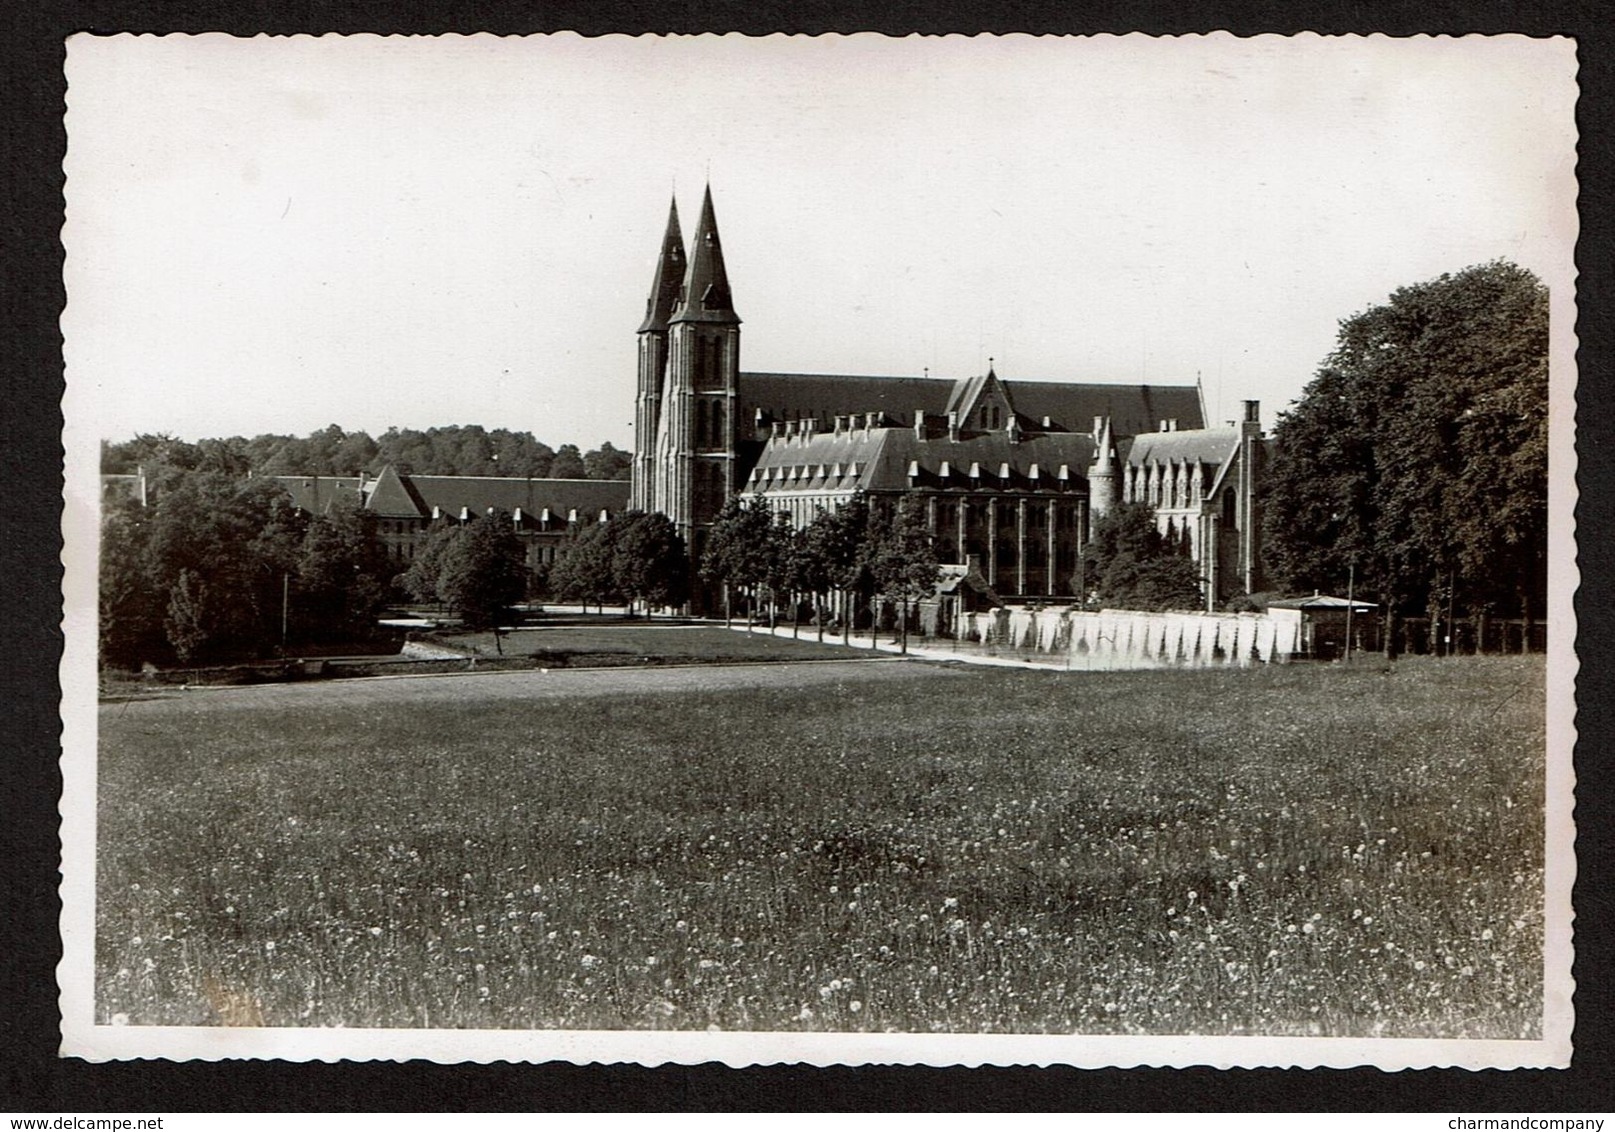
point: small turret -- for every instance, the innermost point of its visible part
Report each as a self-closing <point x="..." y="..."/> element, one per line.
<point x="1102" y="473"/>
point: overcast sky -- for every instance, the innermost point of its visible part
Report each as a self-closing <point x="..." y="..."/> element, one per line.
<point x="272" y="235"/>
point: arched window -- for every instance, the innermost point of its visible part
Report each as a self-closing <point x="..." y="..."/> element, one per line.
<point x="700" y="424"/>
<point x="720" y="435"/>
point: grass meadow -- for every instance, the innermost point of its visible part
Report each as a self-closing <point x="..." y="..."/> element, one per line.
<point x="1295" y="850"/>
<point x="618" y="643"/>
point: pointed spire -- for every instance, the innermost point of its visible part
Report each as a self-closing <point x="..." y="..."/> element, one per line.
<point x="1104" y="456"/>
<point x="705" y="295"/>
<point x="664" y="288"/>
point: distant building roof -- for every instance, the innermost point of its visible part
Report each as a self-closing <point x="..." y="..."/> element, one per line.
<point x="1200" y="445"/>
<point x="391" y="495"/>
<point x="882" y="459"/>
<point x="476" y="494"/>
<point x="316" y="494"/>
<point x="1069" y="406"/>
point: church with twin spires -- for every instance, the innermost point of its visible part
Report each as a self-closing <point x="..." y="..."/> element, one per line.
<point x="1011" y="473"/>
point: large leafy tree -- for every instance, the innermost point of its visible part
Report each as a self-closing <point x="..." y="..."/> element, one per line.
<point x="342" y="574"/>
<point x="131" y="608"/>
<point x="1416" y="460"/>
<point x="903" y="560"/>
<point x="1130" y="564"/>
<point x="833" y="555"/>
<point x="482" y="572"/>
<point x="199" y="575"/>
<point x="420" y="580"/>
<point x="740" y="550"/>
<point x="649" y="561"/>
<point x="584" y="572"/>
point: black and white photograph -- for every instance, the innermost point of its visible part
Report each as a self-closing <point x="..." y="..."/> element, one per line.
<point x="820" y="549"/>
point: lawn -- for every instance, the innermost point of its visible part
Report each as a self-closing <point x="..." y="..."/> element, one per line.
<point x="1289" y="850"/>
<point x="614" y="643"/>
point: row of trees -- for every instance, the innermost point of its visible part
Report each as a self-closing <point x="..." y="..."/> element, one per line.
<point x="221" y="569"/>
<point x="1415" y="464"/>
<point x="225" y="569"/>
<point x="458" y="450"/>
<point x="637" y="557"/>
<point x="841" y="559"/>
<point x="860" y="551"/>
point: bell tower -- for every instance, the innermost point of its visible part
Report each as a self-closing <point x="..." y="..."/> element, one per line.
<point x="695" y="448"/>
<point x="664" y="293"/>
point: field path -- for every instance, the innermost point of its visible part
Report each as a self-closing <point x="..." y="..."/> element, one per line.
<point x="556" y="683"/>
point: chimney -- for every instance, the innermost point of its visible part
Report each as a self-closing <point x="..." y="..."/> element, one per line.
<point x="1014" y="430"/>
<point x="1163" y="426"/>
<point x="841" y="424"/>
<point x="953" y="425"/>
<point x="776" y="430"/>
<point x="919" y="424"/>
<point x="1048" y="423"/>
<point x="1172" y="425"/>
<point x="809" y="427"/>
<point x="1253" y="411"/>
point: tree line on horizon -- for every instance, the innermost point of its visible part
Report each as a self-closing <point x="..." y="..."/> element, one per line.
<point x="452" y="450"/>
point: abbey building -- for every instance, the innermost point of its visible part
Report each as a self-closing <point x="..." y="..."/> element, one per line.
<point x="1011" y="473"/>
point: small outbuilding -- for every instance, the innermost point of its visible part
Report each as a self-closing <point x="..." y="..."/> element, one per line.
<point x="1323" y="624"/>
<point x="960" y="589"/>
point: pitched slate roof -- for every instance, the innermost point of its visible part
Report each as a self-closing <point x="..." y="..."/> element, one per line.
<point x="1202" y="445"/>
<point x="315" y="494"/>
<point x="394" y="496"/>
<point x="794" y="396"/>
<point x="1070" y="406"/>
<point x="1131" y="408"/>
<point x="475" y="494"/>
<point x="881" y="460"/>
<point x="390" y="496"/>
